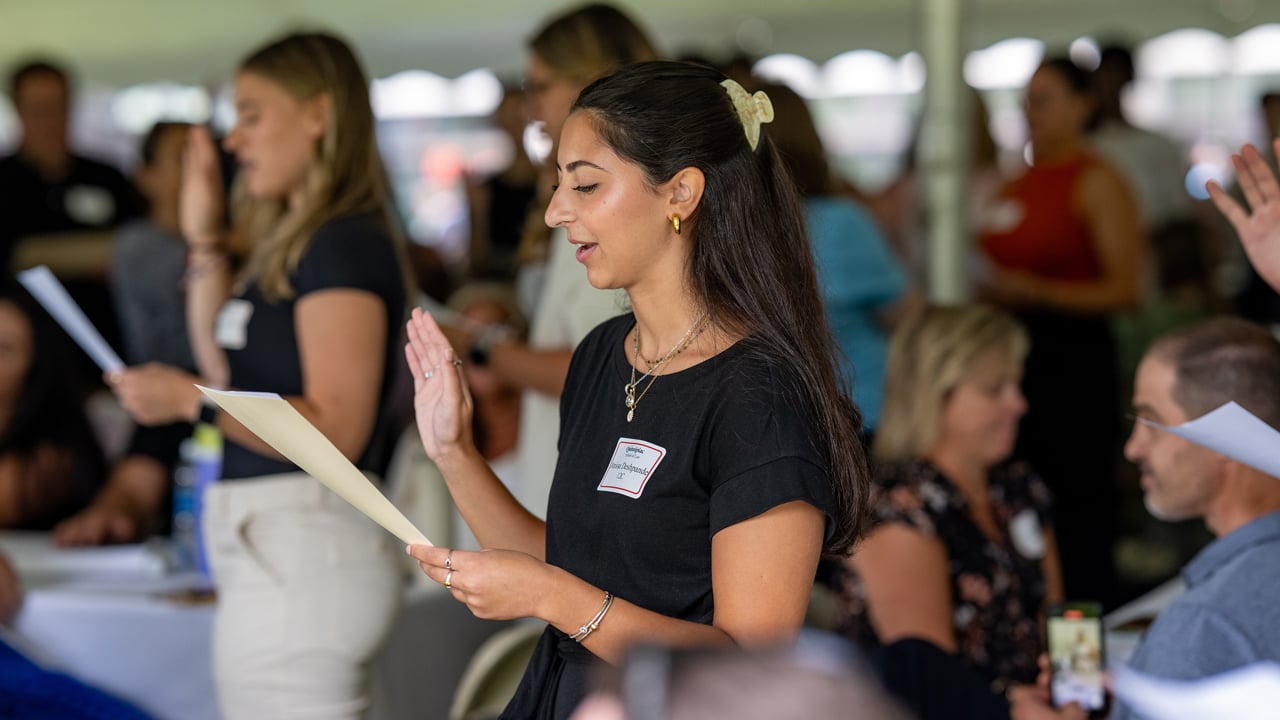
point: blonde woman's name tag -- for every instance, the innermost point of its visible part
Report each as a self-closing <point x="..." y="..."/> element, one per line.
<point x="231" y="332"/>
<point x="1027" y="535"/>
<point x="633" y="463"/>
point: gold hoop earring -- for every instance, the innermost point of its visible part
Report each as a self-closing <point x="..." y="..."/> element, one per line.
<point x="675" y="223"/>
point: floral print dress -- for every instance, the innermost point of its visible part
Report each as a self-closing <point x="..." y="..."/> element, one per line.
<point x="997" y="588"/>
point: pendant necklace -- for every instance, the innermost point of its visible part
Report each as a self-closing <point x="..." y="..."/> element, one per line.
<point x="630" y="388"/>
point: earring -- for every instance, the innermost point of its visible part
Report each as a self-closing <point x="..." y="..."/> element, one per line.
<point x="675" y="223"/>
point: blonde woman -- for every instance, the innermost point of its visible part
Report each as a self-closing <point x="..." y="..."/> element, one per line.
<point x="961" y="555"/>
<point x="566" y="54"/>
<point x="307" y="587"/>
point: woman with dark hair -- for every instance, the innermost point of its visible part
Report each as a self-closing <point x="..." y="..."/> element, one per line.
<point x="50" y="462"/>
<point x="709" y="450"/>
<point x="1065" y="246"/>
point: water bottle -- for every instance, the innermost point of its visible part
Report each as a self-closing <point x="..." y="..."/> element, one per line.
<point x="186" y="515"/>
<point x="199" y="464"/>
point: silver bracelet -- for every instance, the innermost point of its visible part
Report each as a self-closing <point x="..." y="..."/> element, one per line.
<point x="594" y="623"/>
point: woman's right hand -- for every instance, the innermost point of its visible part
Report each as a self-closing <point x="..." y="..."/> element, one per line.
<point x="1258" y="225"/>
<point x="441" y="402"/>
<point x="202" y="199"/>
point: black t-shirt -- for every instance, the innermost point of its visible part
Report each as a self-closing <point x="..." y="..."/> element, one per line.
<point x="261" y="342"/>
<point x="634" y="506"/>
<point x="93" y="196"/>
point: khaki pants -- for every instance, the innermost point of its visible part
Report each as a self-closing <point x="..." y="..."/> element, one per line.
<point x="308" y="588"/>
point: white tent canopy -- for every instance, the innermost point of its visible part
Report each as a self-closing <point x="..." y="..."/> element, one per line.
<point x="124" y="42"/>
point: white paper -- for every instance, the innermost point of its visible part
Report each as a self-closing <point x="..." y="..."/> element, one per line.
<point x="273" y="419"/>
<point x="46" y="289"/>
<point x="1248" y="693"/>
<point x="1234" y="432"/>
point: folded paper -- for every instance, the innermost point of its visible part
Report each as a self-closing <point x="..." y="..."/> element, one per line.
<point x="273" y="419"/>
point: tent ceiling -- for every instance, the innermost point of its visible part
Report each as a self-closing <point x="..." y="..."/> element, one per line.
<point x="120" y="42"/>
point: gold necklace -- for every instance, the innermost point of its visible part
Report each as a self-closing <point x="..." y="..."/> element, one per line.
<point x="630" y="388"/>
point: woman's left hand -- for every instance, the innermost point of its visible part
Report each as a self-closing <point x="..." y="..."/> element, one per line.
<point x="155" y="394"/>
<point x="494" y="584"/>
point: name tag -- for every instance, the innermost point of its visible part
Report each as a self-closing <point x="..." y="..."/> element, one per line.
<point x="632" y="465"/>
<point x="1027" y="535"/>
<point x="90" y="205"/>
<point x="231" y="332"/>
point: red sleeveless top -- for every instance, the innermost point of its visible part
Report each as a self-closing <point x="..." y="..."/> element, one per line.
<point x="1035" y="227"/>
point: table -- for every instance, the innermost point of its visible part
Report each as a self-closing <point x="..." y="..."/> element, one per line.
<point x="113" y="618"/>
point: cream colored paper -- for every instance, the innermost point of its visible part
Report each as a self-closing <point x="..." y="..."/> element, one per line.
<point x="273" y="419"/>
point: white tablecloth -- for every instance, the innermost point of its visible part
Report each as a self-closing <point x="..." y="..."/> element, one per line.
<point x="108" y="617"/>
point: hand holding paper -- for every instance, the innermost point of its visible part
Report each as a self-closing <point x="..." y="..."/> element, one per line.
<point x="273" y="419"/>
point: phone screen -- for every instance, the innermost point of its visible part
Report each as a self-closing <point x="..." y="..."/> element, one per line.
<point x="1076" y="655"/>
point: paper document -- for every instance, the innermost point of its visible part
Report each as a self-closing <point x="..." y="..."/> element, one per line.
<point x="1248" y="693"/>
<point x="1234" y="432"/>
<point x="273" y="419"/>
<point x="46" y="289"/>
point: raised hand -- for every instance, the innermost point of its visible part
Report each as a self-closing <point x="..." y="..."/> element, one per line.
<point x="441" y="402"/>
<point x="202" y="199"/>
<point x="1258" y="225"/>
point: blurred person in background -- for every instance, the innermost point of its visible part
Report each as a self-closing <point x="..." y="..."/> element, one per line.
<point x="1226" y="617"/>
<point x="565" y="54"/>
<point x="30" y="690"/>
<point x="817" y="679"/>
<point x="901" y="212"/>
<point x="148" y="283"/>
<point x="1065" y="246"/>
<point x="1155" y="170"/>
<point x="499" y="204"/>
<point x="948" y="587"/>
<point x="48" y="190"/>
<point x="864" y="288"/>
<point x="50" y="461"/>
<point x="313" y="315"/>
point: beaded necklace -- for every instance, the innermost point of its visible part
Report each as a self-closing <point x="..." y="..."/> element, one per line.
<point x="630" y="388"/>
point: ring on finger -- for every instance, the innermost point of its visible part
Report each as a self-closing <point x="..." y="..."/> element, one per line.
<point x="448" y="561"/>
<point x="448" y="580"/>
<point x="429" y="374"/>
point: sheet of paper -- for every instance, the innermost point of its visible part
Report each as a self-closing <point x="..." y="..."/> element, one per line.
<point x="273" y="419"/>
<point x="46" y="289"/>
<point x="1248" y="693"/>
<point x="1234" y="432"/>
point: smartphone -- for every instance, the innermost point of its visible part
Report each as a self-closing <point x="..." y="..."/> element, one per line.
<point x="1076" y="659"/>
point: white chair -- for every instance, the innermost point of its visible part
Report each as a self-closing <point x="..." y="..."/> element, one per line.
<point x="494" y="672"/>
